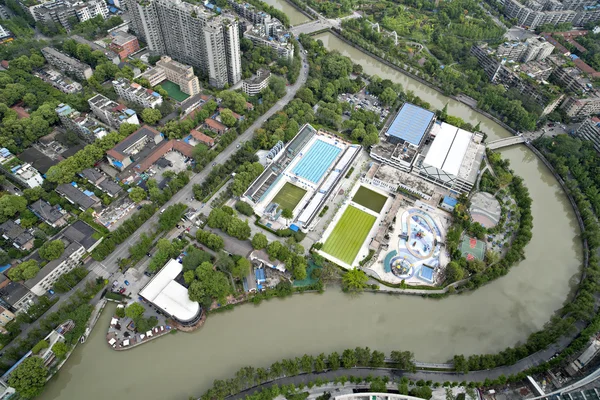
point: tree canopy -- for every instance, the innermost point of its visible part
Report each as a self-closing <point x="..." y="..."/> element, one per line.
<point x="354" y="280"/>
<point x="52" y="250"/>
<point x="29" y="377"/>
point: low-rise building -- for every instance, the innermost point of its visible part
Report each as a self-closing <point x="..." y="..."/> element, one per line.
<point x="101" y="181"/>
<point x="202" y="138"/>
<point x="18" y="236"/>
<point x="82" y="199"/>
<point x="580" y="108"/>
<point x="83" y="124"/>
<point x="5" y="316"/>
<point x="215" y="126"/>
<point x="67" y="64"/>
<point x="112" y="113"/>
<point x="154" y="76"/>
<point x="16" y="297"/>
<point x="78" y="239"/>
<point x="52" y="215"/>
<point x="258" y="83"/>
<point x="273" y="34"/>
<point x="124" y="44"/>
<point x="127" y="150"/>
<point x="16" y="170"/>
<point x="58" y="80"/>
<point x="109" y="54"/>
<point x="168" y="295"/>
<point x="392" y="180"/>
<point x="5" y="35"/>
<point x="180" y="74"/>
<point x="136" y="93"/>
<point x="590" y="130"/>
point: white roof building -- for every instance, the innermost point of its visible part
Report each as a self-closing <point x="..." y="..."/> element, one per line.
<point x="170" y="296"/>
<point x="453" y="159"/>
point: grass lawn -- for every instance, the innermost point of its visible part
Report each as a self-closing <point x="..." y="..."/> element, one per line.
<point x="289" y="196"/>
<point x="370" y="199"/>
<point x="349" y="234"/>
<point x="174" y="91"/>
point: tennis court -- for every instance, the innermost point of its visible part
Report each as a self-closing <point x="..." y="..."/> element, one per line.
<point x="369" y="198"/>
<point x="174" y="90"/>
<point x="471" y="248"/>
<point x="349" y="234"/>
<point x="289" y="196"/>
<point x="315" y="162"/>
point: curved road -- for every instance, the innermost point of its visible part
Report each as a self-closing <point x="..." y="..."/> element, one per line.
<point x="109" y="266"/>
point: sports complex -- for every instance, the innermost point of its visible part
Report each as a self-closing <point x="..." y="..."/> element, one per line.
<point x="346" y="239"/>
<point x="300" y="177"/>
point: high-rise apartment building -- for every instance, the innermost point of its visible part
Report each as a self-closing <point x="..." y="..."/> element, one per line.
<point x="190" y="34"/>
<point x="533" y="13"/>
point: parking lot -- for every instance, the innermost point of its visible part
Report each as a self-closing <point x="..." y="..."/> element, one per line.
<point x="362" y="100"/>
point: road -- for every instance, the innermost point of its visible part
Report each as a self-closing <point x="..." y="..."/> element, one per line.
<point x="108" y="267"/>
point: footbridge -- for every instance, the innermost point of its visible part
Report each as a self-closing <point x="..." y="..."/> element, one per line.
<point x="509" y="141"/>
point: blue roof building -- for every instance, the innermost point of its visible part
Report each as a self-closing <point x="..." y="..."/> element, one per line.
<point x="410" y="125"/>
<point x="448" y="203"/>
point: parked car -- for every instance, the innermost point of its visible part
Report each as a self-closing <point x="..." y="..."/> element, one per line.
<point x="122" y="290"/>
<point x="51" y="292"/>
<point x="127" y="283"/>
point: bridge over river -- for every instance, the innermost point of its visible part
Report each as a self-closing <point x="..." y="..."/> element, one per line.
<point x="505" y="142"/>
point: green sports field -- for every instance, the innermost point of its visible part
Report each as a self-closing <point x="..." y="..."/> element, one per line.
<point x="349" y="234"/>
<point x="289" y="196"/>
<point x="370" y="199"/>
<point x="174" y="91"/>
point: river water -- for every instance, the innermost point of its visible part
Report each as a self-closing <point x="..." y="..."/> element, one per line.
<point x="295" y="16"/>
<point x="490" y="319"/>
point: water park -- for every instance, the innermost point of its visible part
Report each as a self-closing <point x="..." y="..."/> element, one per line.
<point x="415" y="251"/>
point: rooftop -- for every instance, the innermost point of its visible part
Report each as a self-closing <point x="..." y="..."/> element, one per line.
<point x="119" y="152"/>
<point x="169" y="295"/>
<point x="77" y="196"/>
<point x="46" y="211"/>
<point x="213" y="124"/>
<point x="162" y="149"/>
<point x="15" y="232"/>
<point x="51" y="51"/>
<point x="394" y="176"/>
<point x="39" y="160"/>
<point x="82" y="233"/>
<point x="411" y="123"/>
<point x="13" y="292"/>
<point x="51" y="266"/>
<point x="120" y="38"/>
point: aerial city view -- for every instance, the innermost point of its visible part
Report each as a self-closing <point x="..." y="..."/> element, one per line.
<point x="300" y="199"/>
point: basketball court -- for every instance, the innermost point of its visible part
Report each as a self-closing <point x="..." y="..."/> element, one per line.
<point x="471" y="248"/>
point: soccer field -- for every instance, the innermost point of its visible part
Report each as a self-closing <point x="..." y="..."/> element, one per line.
<point x="349" y="234"/>
<point x="289" y="196"/>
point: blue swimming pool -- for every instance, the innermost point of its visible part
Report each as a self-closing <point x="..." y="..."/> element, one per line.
<point x="316" y="160"/>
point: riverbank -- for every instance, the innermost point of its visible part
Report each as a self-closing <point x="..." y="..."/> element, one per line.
<point x="467" y="101"/>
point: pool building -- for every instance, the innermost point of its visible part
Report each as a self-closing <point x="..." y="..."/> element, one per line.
<point x="300" y="176"/>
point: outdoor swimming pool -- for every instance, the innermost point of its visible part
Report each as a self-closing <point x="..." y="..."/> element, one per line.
<point x="314" y="163"/>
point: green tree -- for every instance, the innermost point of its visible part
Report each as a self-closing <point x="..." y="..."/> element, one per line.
<point x="134" y="310"/>
<point x="120" y="312"/>
<point x="170" y="216"/>
<point x="151" y="115"/>
<point x="378" y="385"/>
<point x="137" y="194"/>
<point x="287" y="213"/>
<point x="259" y="241"/>
<point x="29" y="377"/>
<point x="333" y="361"/>
<point x="41" y="345"/>
<point x="227" y="117"/>
<point x="241" y="269"/>
<point x="11" y="205"/>
<point x="349" y="359"/>
<point x="60" y="349"/>
<point x="388" y="96"/>
<point x="52" y="250"/>
<point x="320" y="363"/>
<point x="354" y="280"/>
<point x="26" y="270"/>
<point x="377" y="359"/>
<point x="454" y="272"/>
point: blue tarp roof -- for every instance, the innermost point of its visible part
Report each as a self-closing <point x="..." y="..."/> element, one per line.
<point x="113" y="9"/>
<point x="411" y="123"/>
<point x="294" y="227"/>
<point x="451" y="201"/>
<point x="260" y="275"/>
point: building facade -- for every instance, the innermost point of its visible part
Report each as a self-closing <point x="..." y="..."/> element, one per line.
<point x="112" y="113"/>
<point x="136" y="93"/>
<point x="67" y="64"/>
<point x="180" y="74"/>
<point x="190" y="34"/>
<point x="580" y="108"/>
<point x="124" y="44"/>
<point x="257" y="84"/>
<point x="590" y="130"/>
